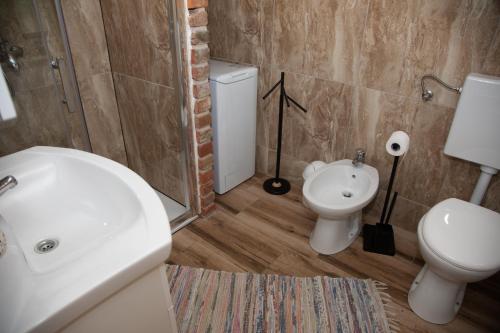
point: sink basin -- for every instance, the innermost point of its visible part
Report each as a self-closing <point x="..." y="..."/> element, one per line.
<point x="79" y="227"/>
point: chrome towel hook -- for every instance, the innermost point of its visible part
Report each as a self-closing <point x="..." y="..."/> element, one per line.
<point x="427" y="94"/>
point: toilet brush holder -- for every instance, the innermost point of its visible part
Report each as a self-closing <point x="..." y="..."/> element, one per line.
<point x="379" y="238"/>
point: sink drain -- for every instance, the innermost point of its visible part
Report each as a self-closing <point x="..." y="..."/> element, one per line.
<point x="346" y="194"/>
<point x="46" y="245"/>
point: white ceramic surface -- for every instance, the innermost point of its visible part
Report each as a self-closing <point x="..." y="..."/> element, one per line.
<point x="338" y="192"/>
<point x="234" y="118"/>
<point x="474" y="134"/>
<point x="464" y="234"/>
<point x="459" y="243"/>
<point x="340" y="188"/>
<point x="110" y="224"/>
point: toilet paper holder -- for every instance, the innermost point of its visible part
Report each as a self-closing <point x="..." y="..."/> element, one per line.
<point x="427" y="94"/>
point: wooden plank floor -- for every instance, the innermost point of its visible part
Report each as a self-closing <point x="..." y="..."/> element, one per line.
<point x="252" y="231"/>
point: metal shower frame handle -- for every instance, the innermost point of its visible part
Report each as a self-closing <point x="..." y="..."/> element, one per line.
<point x="427" y="94"/>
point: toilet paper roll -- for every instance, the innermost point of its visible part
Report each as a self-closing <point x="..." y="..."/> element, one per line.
<point x="398" y="143"/>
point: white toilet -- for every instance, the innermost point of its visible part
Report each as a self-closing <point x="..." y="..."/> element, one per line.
<point x="460" y="243"/>
<point x="459" y="240"/>
<point x="338" y="192"/>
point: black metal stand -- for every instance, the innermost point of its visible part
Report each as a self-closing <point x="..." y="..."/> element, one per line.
<point x="379" y="238"/>
<point x="277" y="185"/>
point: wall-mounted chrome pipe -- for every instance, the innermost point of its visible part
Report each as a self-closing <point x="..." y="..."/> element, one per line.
<point x="427" y="94"/>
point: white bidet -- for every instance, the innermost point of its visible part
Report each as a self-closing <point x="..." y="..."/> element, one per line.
<point x="338" y="192"/>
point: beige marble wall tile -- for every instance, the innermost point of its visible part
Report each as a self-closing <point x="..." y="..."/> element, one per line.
<point x="291" y="168"/>
<point x="422" y="175"/>
<point x="334" y="36"/>
<point x="374" y="117"/>
<point x="34" y="73"/>
<point x="482" y="37"/>
<point x="459" y="180"/>
<point x="241" y="21"/>
<point x="385" y="46"/>
<point x="263" y="106"/>
<point x="385" y="43"/>
<point x="39" y="122"/>
<point x="405" y="215"/>
<point x="451" y="39"/>
<point x="492" y="198"/>
<point x="17" y="134"/>
<point x="321" y="133"/>
<point x="151" y="128"/>
<point x="295" y="85"/>
<point x="19" y="26"/>
<point x="87" y="38"/>
<point x="406" y="39"/>
<point x="139" y="40"/>
<point x="42" y="119"/>
<point x="50" y="27"/>
<point x="18" y="17"/>
<point x="101" y="113"/>
<point x="266" y="25"/>
<point x="76" y="124"/>
<point x="436" y="37"/>
<point x="261" y="157"/>
<point x="491" y="64"/>
<point x="289" y="35"/>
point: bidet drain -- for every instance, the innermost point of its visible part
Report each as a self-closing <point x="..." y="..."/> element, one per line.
<point x="346" y="194"/>
<point x="46" y="245"/>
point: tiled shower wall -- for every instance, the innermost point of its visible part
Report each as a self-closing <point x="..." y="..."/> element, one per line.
<point x="142" y="57"/>
<point x="127" y="78"/>
<point x="42" y="118"/>
<point x="356" y="66"/>
<point x="126" y="70"/>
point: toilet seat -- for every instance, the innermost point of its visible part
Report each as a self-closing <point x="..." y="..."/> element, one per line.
<point x="463" y="234"/>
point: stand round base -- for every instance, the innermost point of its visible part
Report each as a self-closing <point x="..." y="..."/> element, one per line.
<point x="276" y="186"/>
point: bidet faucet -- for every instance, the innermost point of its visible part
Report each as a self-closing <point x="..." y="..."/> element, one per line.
<point x="7" y="183"/>
<point x="359" y="157"/>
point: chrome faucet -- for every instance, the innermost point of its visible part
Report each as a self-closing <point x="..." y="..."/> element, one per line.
<point x="359" y="157"/>
<point x="7" y="183"/>
<point x="9" y="54"/>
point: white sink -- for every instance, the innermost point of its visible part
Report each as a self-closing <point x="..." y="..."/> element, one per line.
<point x="110" y="226"/>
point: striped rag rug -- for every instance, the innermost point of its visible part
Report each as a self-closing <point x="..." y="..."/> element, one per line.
<point x="214" y="301"/>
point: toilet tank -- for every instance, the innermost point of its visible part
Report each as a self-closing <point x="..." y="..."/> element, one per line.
<point x="234" y="117"/>
<point x="475" y="132"/>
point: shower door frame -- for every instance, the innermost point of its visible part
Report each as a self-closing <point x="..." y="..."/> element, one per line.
<point x="186" y="144"/>
<point x="188" y="172"/>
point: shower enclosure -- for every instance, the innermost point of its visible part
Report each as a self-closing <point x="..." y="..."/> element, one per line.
<point x="61" y="102"/>
<point x="47" y="103"/>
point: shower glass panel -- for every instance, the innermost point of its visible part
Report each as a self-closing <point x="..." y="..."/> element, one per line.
<point x="34" y="59"/>
<point x="143" y="54"/>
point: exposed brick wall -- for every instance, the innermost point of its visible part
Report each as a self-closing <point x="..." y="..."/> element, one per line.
<point x="201" y="102"/>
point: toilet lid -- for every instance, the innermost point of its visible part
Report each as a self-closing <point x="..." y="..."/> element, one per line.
<point x="464" y="234"/>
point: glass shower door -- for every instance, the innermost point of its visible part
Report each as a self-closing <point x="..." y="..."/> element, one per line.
<point x="33" y="60"/>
